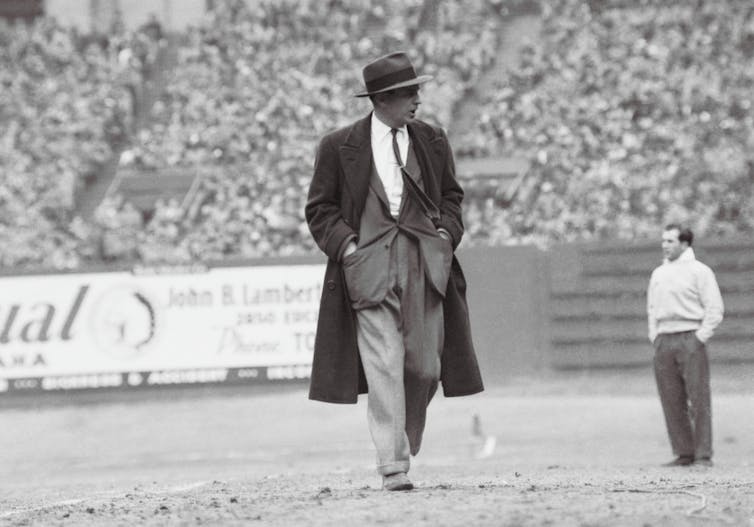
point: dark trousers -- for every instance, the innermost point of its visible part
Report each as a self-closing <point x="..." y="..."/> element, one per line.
<point x="682" y="374"/>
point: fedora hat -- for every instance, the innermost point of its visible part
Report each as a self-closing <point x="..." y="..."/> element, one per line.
<point x="389" y="73"/>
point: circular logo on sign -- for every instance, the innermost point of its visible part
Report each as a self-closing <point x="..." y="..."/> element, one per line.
<point x="124" y="321"/>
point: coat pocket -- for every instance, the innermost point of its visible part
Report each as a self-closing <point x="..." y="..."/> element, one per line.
<point x="366" y="272"/>
<point x="438" y="257"/>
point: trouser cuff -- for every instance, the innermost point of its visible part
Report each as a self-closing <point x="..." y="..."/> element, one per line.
<point x="393" y="468"/>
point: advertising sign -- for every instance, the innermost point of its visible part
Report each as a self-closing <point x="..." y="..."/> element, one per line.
<point x="130" y="329"/>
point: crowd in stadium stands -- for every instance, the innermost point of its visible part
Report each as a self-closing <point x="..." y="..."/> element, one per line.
<point x="66" y="101"/>
<point x="254" y="89"/>
<point x="633" y="114"/>
<point x="630" y="114"/>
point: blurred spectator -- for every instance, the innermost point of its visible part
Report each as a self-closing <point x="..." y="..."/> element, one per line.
<point x="255" y="87"/>
<point x="630" y="114"/>
<point x="64" y="106"/>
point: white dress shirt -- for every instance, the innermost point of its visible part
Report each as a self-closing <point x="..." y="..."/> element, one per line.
<point x="385" y="162"/>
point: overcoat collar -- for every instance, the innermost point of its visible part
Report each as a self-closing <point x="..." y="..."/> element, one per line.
<point x="356" y="159"/>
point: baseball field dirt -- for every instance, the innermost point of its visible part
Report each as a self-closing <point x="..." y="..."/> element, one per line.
<point x="582" y="449"/>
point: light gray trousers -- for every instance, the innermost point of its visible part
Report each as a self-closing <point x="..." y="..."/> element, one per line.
<point x="400" y="341"/>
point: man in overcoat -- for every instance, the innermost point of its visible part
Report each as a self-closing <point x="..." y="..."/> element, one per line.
<point x="385" y="207"/>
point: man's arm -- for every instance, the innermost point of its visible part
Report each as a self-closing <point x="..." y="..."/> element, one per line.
<point x="712" y="301"/>
<point x="451" y="195"/>
<point x="323" y="206"/>
<point x="651" y="309"/>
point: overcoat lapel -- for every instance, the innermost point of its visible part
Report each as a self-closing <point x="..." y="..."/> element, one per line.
<point x="379" y="189"/>
<point x="429" y="156"/>
<point x="356" y="159"/>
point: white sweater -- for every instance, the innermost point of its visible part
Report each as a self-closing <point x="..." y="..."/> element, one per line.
<point x="683" y="296"/>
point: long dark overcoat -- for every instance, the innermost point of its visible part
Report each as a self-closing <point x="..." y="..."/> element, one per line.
<point x="336" y="199"/>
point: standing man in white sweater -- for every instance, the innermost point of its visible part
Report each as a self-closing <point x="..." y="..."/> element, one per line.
<point x="684" y="307"/>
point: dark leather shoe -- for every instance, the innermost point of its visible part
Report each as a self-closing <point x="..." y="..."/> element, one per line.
<point x="398" y="481"/>
<point x="680" y="461"/>
<point x="703" y="461"/>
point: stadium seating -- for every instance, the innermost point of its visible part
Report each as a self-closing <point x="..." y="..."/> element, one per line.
<point x="65" y="103"/>
<point x="254" y="90"/>
<point x="628" y="115"/>
<point x="633" y="115"/>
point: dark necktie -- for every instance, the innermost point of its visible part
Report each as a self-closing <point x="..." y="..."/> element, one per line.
<point x="426" y="204"/>
<point x="396" y="150"/>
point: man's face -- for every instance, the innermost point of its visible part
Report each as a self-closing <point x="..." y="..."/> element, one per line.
<point x="398" y="107"/>
<point x="671" y="246"/>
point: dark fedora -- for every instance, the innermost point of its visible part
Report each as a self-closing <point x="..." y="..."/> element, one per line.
<point x="389" y="73"/>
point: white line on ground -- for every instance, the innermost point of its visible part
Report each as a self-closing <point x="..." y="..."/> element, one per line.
<point x="6" y="514"/>
<point x="183" y="488"/>
<point x="177" y="489"/>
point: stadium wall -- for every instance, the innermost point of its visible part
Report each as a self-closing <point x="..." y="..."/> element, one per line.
<point x="252" y="322"/>
<point x="597" y="302"/>
<point x="507" y="295"/>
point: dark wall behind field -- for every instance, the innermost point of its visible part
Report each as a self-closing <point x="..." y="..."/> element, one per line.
<point x="576" y="306"/>
<point x="507" y="291"/>
<point x="583" y="306"/>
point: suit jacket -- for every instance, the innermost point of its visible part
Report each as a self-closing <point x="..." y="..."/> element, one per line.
<point x="334" y="207"/>
<point x="367" y="270"/>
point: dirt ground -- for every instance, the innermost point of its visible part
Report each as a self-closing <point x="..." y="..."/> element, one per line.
<point x="570" y="450"/>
